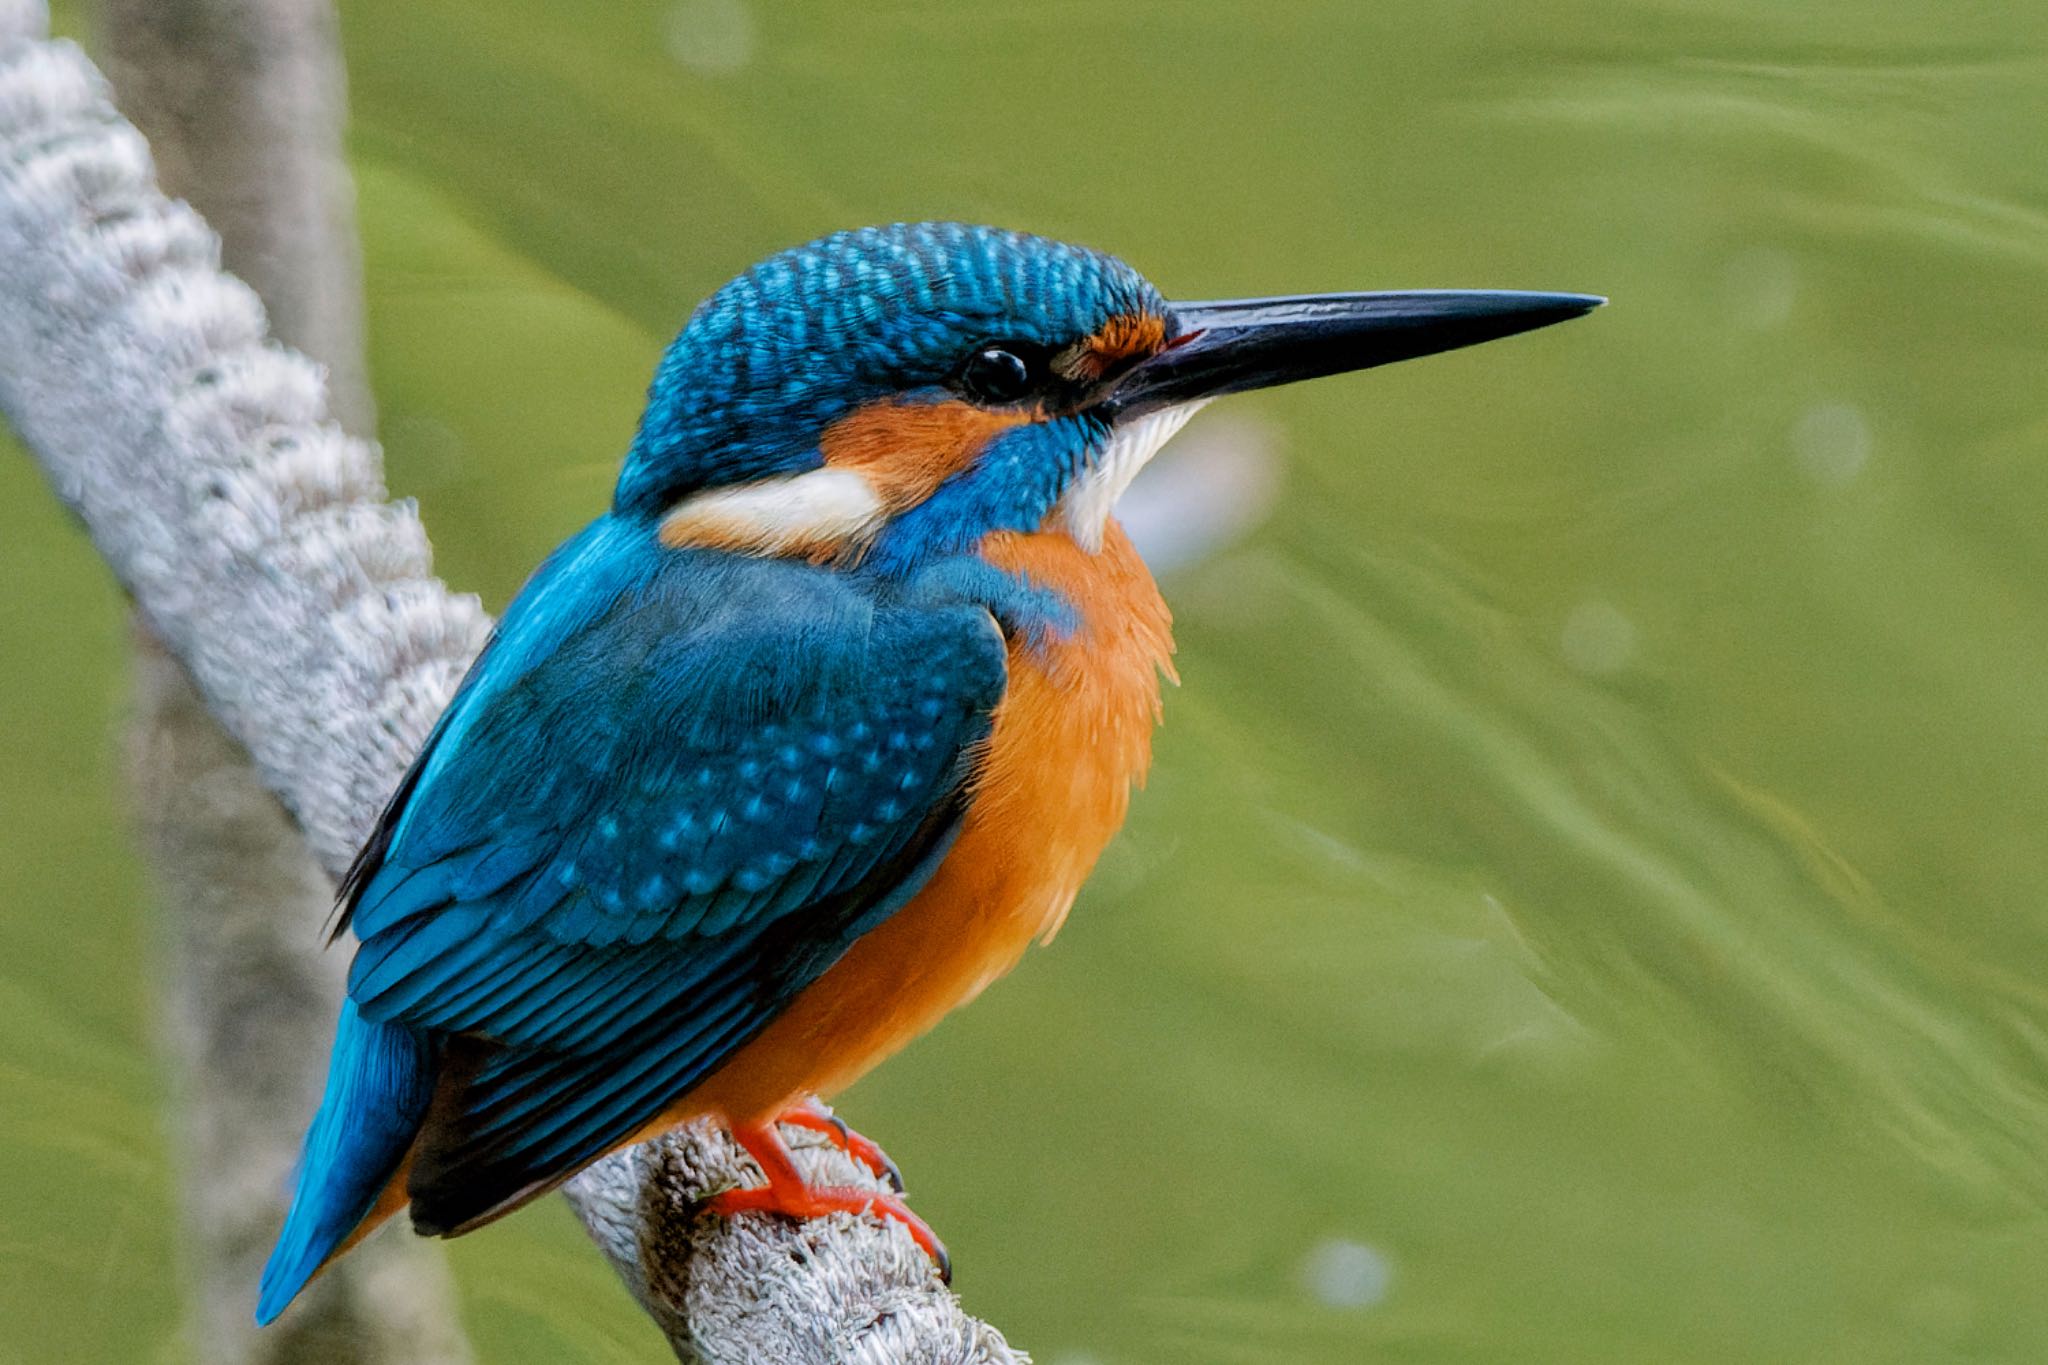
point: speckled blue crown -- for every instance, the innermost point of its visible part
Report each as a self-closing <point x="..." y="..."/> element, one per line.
<point x="771" y="359"/>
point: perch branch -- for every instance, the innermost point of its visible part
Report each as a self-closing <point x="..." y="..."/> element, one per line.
<point x="257" y="542"/>
<point x="242" y="102"/>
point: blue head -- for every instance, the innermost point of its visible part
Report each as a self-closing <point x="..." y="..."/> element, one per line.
<point x="890" y="394"/>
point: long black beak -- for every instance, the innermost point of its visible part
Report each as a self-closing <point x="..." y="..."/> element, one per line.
<point x="1228" y="347"/>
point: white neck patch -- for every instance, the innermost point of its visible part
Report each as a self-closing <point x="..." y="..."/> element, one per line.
<point x="817" y="510"/>
<point x="1089" y="500"/>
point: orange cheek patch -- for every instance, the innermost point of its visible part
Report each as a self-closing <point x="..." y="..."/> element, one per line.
<point x="906" y="450"/>
<point x="1128" y="337"/>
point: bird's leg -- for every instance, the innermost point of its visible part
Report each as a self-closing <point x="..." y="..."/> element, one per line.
<point x="788" y="1194"/>
<point x="817" y="1118"/>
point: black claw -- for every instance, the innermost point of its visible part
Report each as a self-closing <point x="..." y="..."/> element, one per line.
<point x="890" y="1174"/>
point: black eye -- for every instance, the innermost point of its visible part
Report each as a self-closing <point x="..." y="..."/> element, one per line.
<point x="997" y="374"/>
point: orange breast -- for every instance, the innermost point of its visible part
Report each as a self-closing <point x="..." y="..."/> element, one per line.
<point x="1072" y="735"/>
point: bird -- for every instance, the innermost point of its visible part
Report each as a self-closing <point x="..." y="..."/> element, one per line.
<point x="806" y="738"/>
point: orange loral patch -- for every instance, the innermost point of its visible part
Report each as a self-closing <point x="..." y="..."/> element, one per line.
<point x="1124" y="338"/>
<point x="1072" y="735"/>
<point x="906" y="450"/>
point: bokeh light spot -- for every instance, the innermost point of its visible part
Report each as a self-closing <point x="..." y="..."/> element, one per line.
<point x="1832" y="442"/>
<point x="711" y="36"/>
<point x="1597" y="638"/>
<point x="1341" y="1273"/>
<point x="1760" y="286"/>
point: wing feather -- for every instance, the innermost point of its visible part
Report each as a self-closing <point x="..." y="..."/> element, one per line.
<point x="667" y="799"/>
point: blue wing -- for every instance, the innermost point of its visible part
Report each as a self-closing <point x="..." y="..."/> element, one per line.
<point x="675" y="789"/>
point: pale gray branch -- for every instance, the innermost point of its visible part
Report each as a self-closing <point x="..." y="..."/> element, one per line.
<point x="242" y="102"/>
<point x="258" y="544"/>
<point x="248" y="1002"/>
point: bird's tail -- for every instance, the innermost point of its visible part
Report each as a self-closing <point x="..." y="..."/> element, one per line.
<point x="380" y="1081"/>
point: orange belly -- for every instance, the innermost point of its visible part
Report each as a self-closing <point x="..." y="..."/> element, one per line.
<point x="1071" y="735"/>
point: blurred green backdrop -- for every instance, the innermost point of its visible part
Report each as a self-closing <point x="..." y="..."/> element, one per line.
<point x="1589" y="902"/>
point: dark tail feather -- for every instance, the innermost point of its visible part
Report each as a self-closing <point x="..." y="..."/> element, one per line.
<point x="380" y="1081"/>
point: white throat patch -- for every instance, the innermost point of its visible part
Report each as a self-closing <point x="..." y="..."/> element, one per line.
<point x="1089" y="500"/>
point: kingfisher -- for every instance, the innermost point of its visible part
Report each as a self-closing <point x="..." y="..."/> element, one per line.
<point x="806" y="739"/>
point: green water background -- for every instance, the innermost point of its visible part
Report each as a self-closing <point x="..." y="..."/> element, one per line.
<point x="1589" y="903"/>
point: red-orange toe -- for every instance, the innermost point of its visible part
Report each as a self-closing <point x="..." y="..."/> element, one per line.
<point x="817" y="1201"/>
<point x="862" y="1149"/>
<point x="787" y="1194"/>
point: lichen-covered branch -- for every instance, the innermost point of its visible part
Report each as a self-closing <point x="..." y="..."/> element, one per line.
<point x="259" y="546"/>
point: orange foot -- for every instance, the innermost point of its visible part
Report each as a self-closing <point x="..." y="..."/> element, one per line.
<point x="787" y="1194"/>
<point x="817" y="1119"/>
